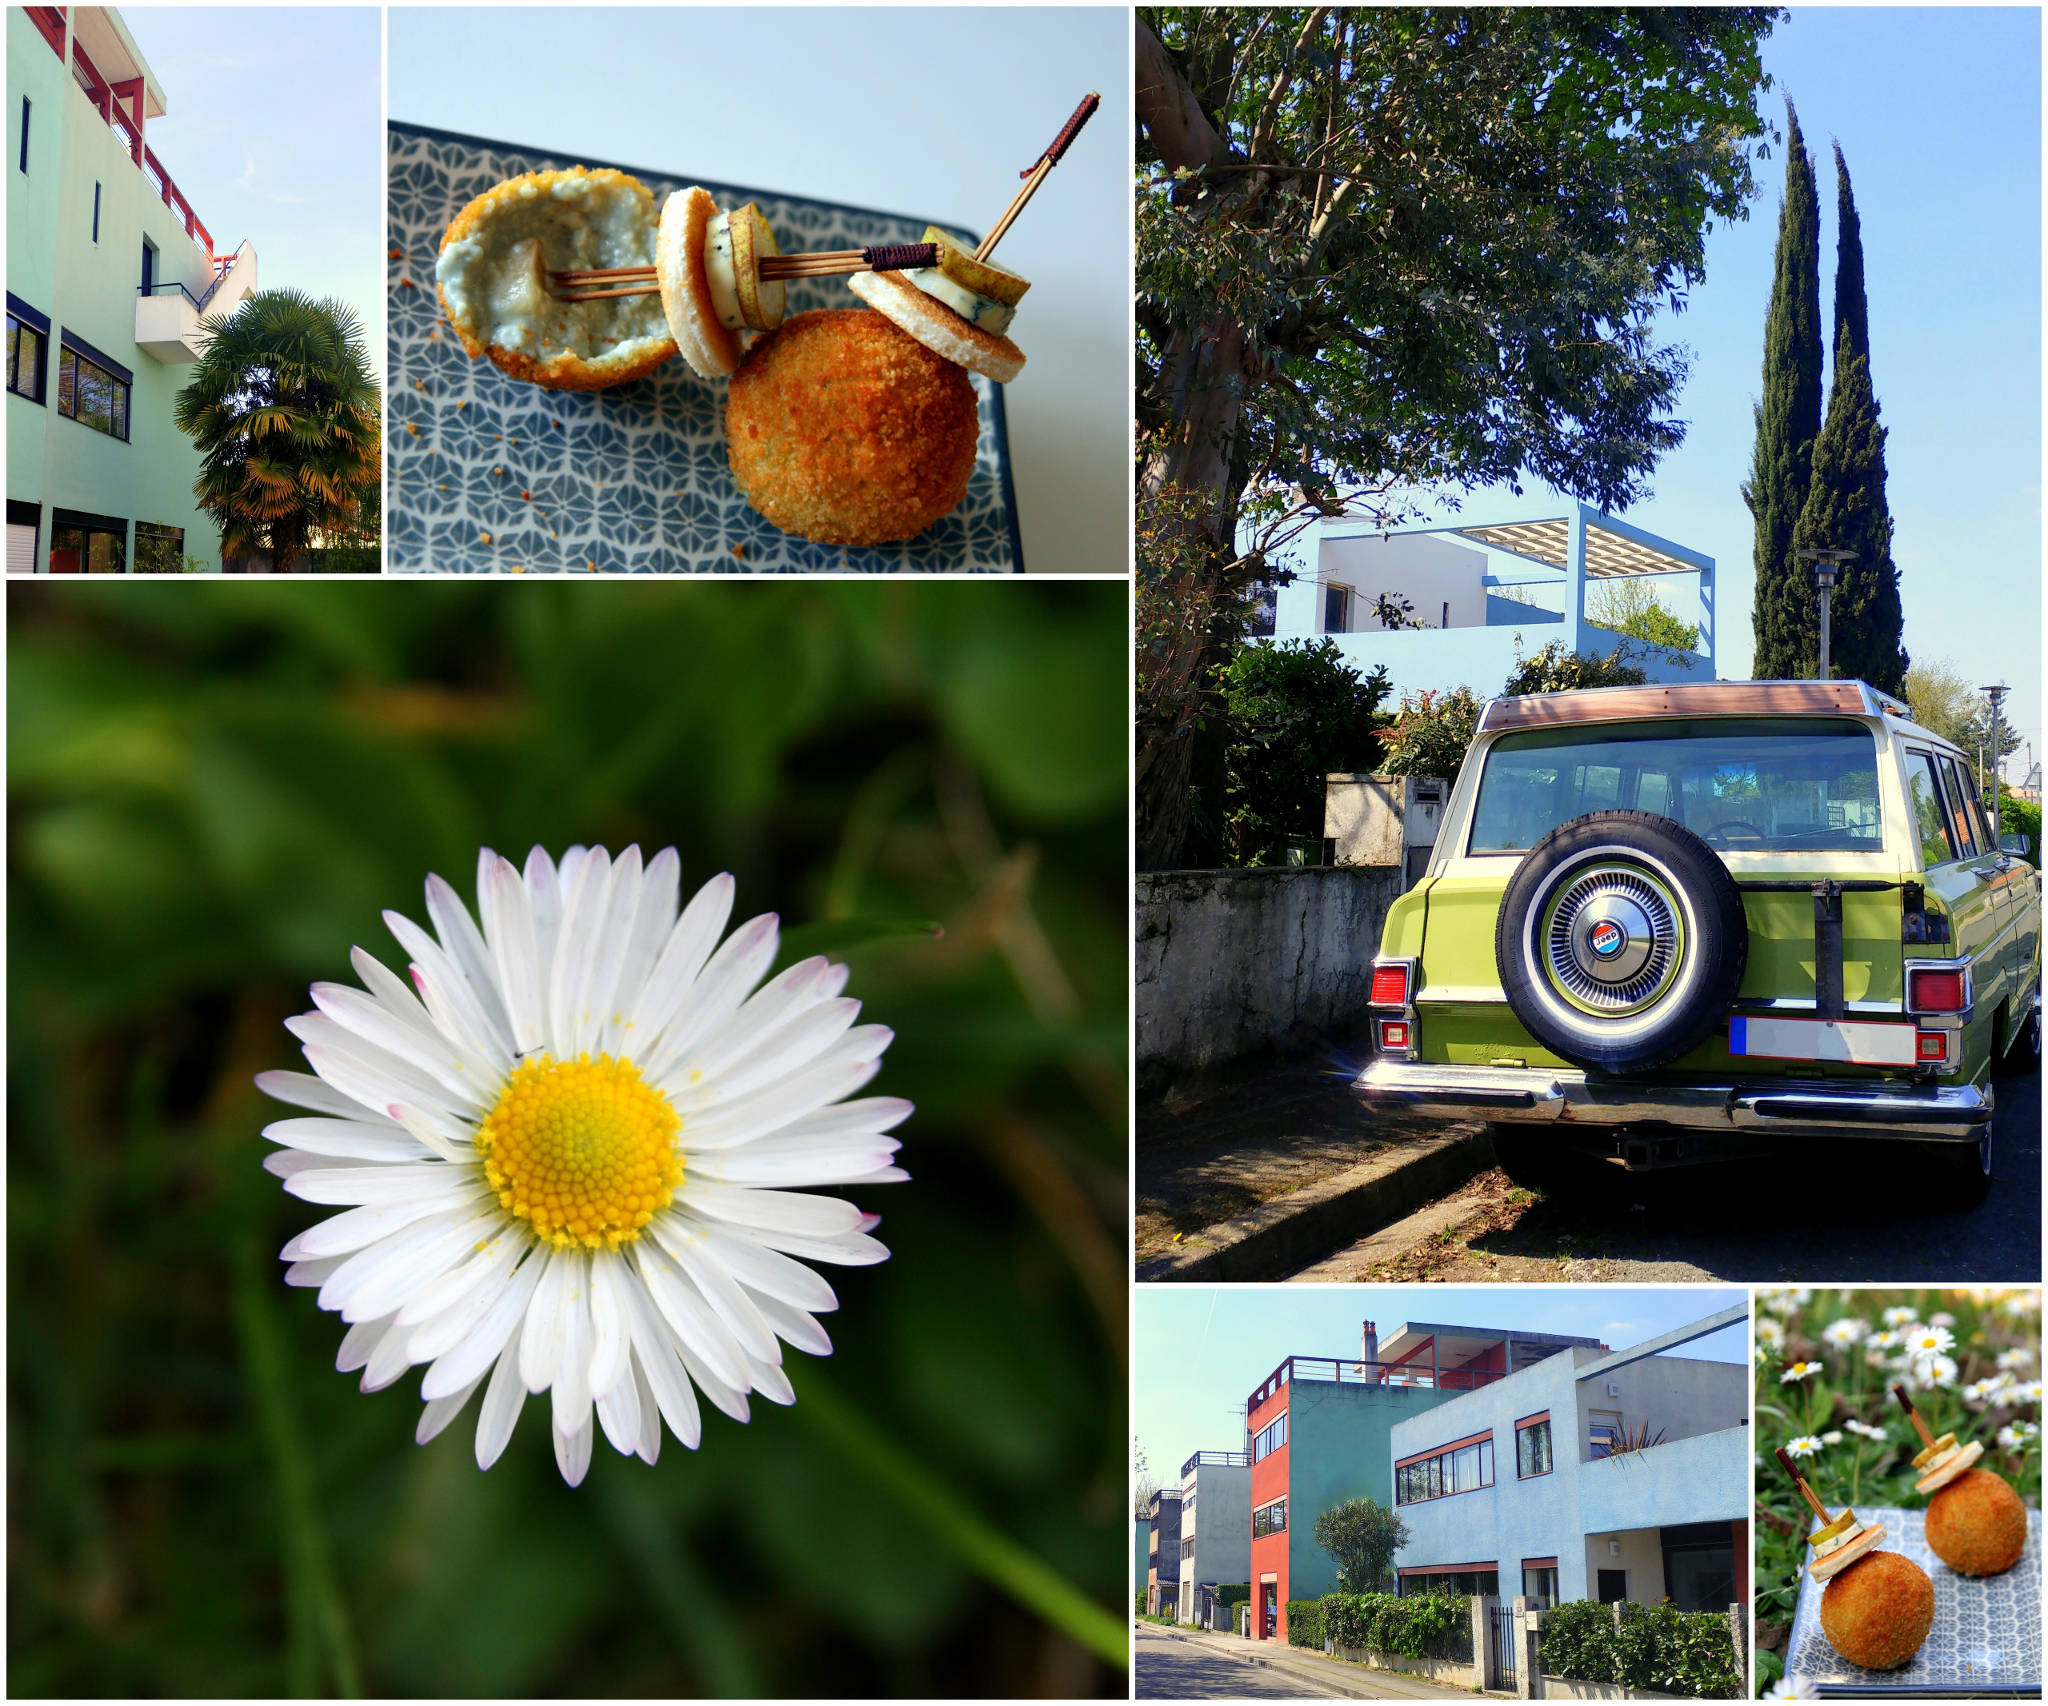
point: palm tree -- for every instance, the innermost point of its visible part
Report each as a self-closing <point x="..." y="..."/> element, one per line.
<point x="288" y="422"/>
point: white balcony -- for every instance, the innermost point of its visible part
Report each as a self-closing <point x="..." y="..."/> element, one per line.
<point x="167" y="320"/>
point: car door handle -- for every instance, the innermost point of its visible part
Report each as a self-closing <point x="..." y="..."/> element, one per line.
<point x="1986" y="870"/>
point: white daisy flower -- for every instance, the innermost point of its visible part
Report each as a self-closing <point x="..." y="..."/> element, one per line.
<point x="1845" y="1332"/>
<point x="1941" y="1318"/>
<point x="2023" y="1305"/>
<point x="2021" y="1392"/>
<point x="1883" y="1341"/>
<point x="1797" y="1371"/>
<point x="1865" y="1430"/>
<point x="566" y="1161"/>
<point x="1806" y="1445"/>
<point x="1832" y="1437"/>
<point x="1784" y="1299"/>
<point x="2018" y="1357"/>
<point x="1929" y="1341"/>
<point x="2017" y="1436"/>
<point x="1926" y="1373"/>
<point x="1791" y="1687"/>
<point x="1901" y="1316"/>
<point x="1771" y="1332"/>
<point x="1983" y="1391"/>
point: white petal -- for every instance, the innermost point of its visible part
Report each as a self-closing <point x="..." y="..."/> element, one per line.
<point x="583" y="906"/>
<point x="572" y="1453"/>
<point x="609" y="1348"/>
<point x="872" y="1114"/>
<point x="406" y="1182"/>
<point x="544" y="895"/>
<point x="696" y="1328"/>
<point x="771" y="1383"/>
<point x="731" y="1399"/>
<point x="654" y="1350"/>
<point x="848" y="1250"/>
<point x="497" y="1255"/>
<point x="618" y="1413"/>
<point x="571" y="1382"/>
<point x="381" y="1279"/>
<point x="375" y="1087"/>
<point x="358" y="1344"/>
<point x="652" y="923"/>
<point x="434" y="1334"/>
<point x="764" y="1272"/>
<point x="508" y="927"/>
<point x="441" y="1412"/>
<point x="722" y="985"/>
<point x="794" y="1325"/>
<point x="786" y="996"/>
<point x="364" y="1017"/>
<point x="504" y="1398"/>
<point x="392" y="993"/>
<point x="649" y="1445"/>
<point x="594" y="1001"/>
<point x="463" y="944"/>
<point x="312" y="1273"/>
<point x="720" y="1290"/>
<point x="456" y="1015"/>
<point x="349" y="1140"/>
<point x="361" y="1227"/>
<point x="682" y="956"/>
<point x="445" y="1137"/>
<point x="303" y="1091"/>
<point x="388" y="1361"/>
<point x="832" y="1164"/>
<point x="772" y="1211"/>
<point x="456" y="1368"/>
<point x="285" y="1163"/>
<point x="775" y="1106"/>
<point x="540" y="1340"/>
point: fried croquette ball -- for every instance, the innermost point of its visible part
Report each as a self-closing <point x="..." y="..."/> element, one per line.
<point x="492" y="278"/>
<point x="846" y="430"/>
<point x="1878" y="1611"/>
<point x="1977" y="1524"/>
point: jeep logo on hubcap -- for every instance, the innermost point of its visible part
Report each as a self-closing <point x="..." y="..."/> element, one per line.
<point x="1606" y="939"/>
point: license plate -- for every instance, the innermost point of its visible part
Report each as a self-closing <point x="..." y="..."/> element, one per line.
<point x="1855" y="1042"/>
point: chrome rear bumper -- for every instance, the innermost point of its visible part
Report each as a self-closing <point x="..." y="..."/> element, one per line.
<point x="1564" y="1096"/>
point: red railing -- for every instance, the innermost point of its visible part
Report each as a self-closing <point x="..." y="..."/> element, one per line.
<point x="127" y="125"/>
<point x="1354" y="1373"/>
<point x="50" y="21"/>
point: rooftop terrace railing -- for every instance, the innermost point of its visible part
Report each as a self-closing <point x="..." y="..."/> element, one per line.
<point x="1354" y="1373"/>
<point x="1217" y="1459"/>
<point x="126" y="123"/>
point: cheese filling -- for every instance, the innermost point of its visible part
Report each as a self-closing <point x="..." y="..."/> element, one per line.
<point x="719" y="275"/>
<point x="977" y="310"/>
<point x="1835" y="1545"/>
<point x="1939" y="1460"/>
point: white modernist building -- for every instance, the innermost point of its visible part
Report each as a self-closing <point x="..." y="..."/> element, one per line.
<point x="1215" y="1529"/>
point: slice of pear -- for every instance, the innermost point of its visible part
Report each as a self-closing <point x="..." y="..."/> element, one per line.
<point x="981" y="277"/>
<point x="1841" y="1524"/>
<point x="762" y="302"/>
<point x="1939" y="1446"/>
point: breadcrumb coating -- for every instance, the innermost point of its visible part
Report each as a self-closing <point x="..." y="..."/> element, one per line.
<point x="1977" y="1525"/>
<point x="845" y="430"/>
<point x="1877" y="1612"/>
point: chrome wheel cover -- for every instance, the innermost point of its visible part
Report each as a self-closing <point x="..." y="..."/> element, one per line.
<point x="1611" y="939"/>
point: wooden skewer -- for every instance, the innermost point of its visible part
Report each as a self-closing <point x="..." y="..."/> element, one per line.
<point x="1798" y="1480"/>
<point x="819" y="263"/>
<point x="1926" y="1438"/>
<point x="1034" y="174"/>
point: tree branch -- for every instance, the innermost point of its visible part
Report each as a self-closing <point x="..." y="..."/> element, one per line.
<point x="1169" y="112"/>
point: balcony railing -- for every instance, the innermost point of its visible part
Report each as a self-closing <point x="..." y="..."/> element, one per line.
<point x="1353" y="1373"/>
<point x="126" y="123"/>
<point x="1220" y="1459"/>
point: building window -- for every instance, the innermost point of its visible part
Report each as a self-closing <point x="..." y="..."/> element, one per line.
<point x="24" y="531"/>
<point x="27" y="344"/>
<point x="1603" y="1433"/>
<point x="1336" y="610"/>
<point x="87" y="544"/>
<point x="24" y="132"/>
<point x="1462" y="1468"/>
<point x="1271" y="1438"/>
<point x="95" y="213"/>
<point x="92" y="393"/>
<point x="1187" y="1550"/>
<point x="1425" y="1581"/>
<point x="148" y="266"/>
<point x="1532" y="1449"/>
<point x="1539" y="1584"/>
<point x="1269" y="1519"/>
<point x="159" y="550"/>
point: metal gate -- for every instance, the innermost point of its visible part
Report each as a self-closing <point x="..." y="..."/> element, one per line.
<point x="1503" y="1622"/>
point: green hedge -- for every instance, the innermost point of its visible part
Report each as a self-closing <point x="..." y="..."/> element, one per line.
<point x="1234" y="1595"/>
<point x="1305" y="1623"/>
<point x="1143" y="1595"/>
<point x="1421" y="1626"/>
<point x="1657" y="1647"/>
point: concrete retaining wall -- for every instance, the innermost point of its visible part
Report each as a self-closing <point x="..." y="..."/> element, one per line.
<point x="1237" y="962"/>
<point x="1453" y="1673"/>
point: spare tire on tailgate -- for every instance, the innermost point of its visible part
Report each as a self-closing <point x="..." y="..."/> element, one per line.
<point x="1621" y="941"/>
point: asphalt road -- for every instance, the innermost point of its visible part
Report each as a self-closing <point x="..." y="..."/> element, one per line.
<point x="1839" y="1213"/>
<point x="1171" y="1669"/>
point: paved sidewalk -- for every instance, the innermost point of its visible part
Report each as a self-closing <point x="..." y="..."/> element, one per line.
<point x="1195" y="1664"/>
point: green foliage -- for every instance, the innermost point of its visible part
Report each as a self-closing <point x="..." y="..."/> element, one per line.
<point x="213" y="792"/>
<point x="1432" y="733"/>
<point x="1361" y="1536"/>
<point x="1305" y="1623"/>
<point x="1143" y="1597"/>
<point x="1415" y="1626"/>
<point x="1296" y="712"/>
<point x="2021" y="817"/>
<point x="286" y="416"/>
<point x="1787" y="424"/>
<point x="1237" y="1594"/>
<point x="1943" y="701"/>
<point x="1656" y="1648"/>
<point x="1556" y="668"/>
<point x="1628" y="604"/>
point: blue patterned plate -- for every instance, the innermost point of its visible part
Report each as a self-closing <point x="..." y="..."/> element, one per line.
<point x="1986" y="1638"/>
<point x="491" y="476"/>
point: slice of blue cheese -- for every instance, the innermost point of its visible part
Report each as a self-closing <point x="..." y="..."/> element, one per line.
<point x="977" y="310"/>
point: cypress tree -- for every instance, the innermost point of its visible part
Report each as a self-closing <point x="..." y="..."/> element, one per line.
<point x="1845" y="504"/>
<point x="1787" y="424"/>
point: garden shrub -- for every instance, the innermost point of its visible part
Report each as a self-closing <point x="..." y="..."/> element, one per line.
<point x="1236" y="1594"/>
<point x="1142" y="1596"/>
<point x="1305" y="1623"/>
<point x="1422" y="1626"/>
<point x="1578" y="1642"/>
<point x="1656" y="1648"/>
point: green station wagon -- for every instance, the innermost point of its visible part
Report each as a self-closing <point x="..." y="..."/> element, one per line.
<point x="1670" y="925"/>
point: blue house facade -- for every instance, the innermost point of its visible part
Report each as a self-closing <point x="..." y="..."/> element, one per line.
<point x="1536" y="1484"/>
<point x="1469" y="596"/>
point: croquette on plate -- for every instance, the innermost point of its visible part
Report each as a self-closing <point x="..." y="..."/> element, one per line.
<point x="1877" y="1612"/>
<point x="846" y="430"/>
<point x="1977" y="1525"/>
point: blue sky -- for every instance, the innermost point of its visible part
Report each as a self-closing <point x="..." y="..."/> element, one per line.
<point x="275" y="130"/>
<point x="1198" y="1351"/>
<point x="1939" y="114"/>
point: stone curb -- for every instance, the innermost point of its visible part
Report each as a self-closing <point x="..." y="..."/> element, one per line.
<point x="1279" y="1238"/>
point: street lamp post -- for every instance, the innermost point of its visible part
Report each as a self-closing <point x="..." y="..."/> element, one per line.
<point x="1827" y="568"/>
<point x="1997" y="697"/>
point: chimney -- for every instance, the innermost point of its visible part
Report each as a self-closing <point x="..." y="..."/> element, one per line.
<point x="1369" y="1344"/>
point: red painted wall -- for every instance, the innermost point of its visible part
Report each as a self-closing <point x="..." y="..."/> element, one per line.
<point x="1269" y="1481"/>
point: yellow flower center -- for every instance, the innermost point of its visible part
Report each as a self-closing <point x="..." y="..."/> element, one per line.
<point x="583" y="1151"/>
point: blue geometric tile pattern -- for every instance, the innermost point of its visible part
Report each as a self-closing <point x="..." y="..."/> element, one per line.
<point x="1986" y="1638"/>
<point x="632" y="480"/>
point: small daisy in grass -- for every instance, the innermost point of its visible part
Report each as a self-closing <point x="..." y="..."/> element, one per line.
<point x="1865" y="1430"/>
<point x="1845" y="1332"/>
<point x="1929" y="1341"/>
<point x="1903" y="1315"/>
<point x="2017" y="1436"/>
<point x="1770" y="1331"/>
<point x="2018" y="1357"/>
<point x="1806" y="1445"/>
<point x="2020" y="1392"/>
<point x="1797" y="1371"/>
<point x="1983" y="1391"/>
<point x="566" y="1153"/>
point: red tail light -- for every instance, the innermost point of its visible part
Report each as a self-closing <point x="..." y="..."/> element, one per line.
<point x="1933" y="1048"/>
<point x="1390" y="986"/>
<point x="1936" y="991"/>
<point x="1393" y="1034"/>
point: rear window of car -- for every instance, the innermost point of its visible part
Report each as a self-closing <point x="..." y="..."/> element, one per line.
<point x="1742" y="785"/>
